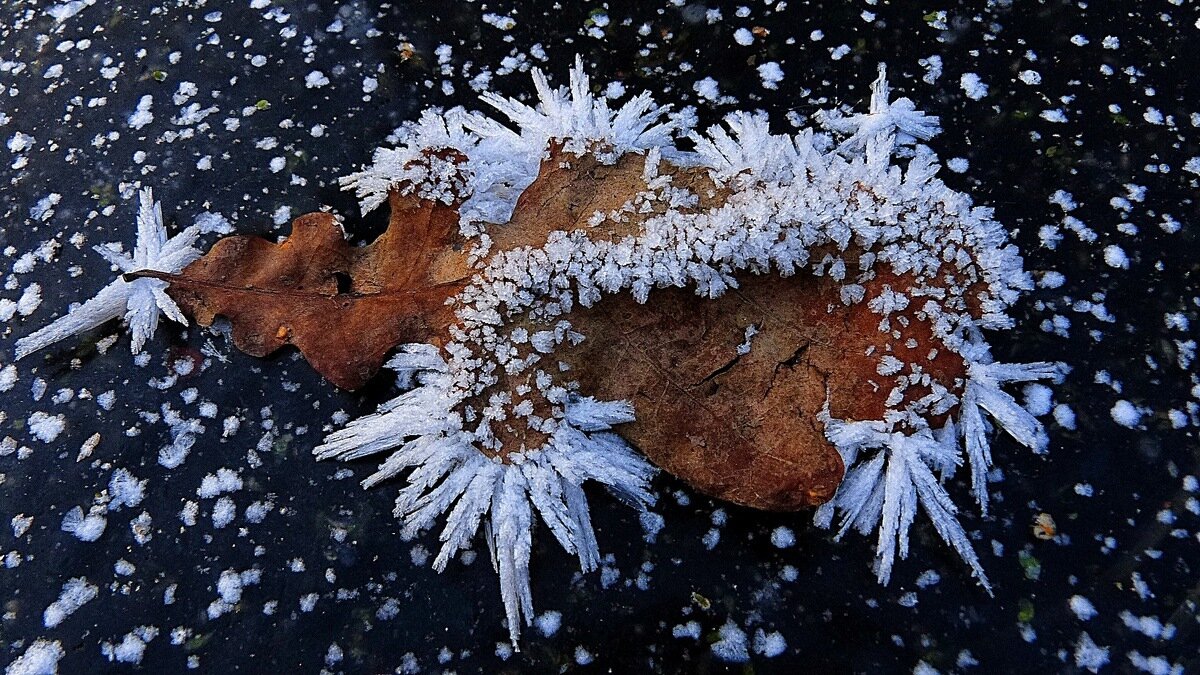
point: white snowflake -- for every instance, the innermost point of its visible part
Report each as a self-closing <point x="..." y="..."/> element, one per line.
<point x="140" y="300"/>
<point x="884" y="489"/>
<point x="899" y="120"/>
<point x="501" y="162"/>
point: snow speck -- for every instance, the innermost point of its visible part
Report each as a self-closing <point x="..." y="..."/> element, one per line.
<point x="185" y="92"/>
<point x="44" y="209"/>
<point x="548" y="623"/>
<point x="1064" y="416"/>
<point x="85" y="528"/>
<point x="213" y="222"/>
<point x="75" y="594"/>
<point x="224" y="480"/>
<point x="132" y="646"/>
<point x="8" y="377"/>
<point x="281" y="215"/>
<point x="707" y="89"/>
<point x="315" y="79"/>
<point x="771" y="75"/>
<point x="1056" y="115"/>
<point x="20" y="525"/>
<point x="1089" y="655"/>
<point x="1114" y="256"/>
<point x="1126" y="414"/>
<point x="783" y="537"/>
<point x="1030" y="77"/>
<point x="1038" y="399"/>
<point x="308" y="602"/>
<point x="690" y="629"/>
<point x="614" y="89"/>
<point x="743" y="37"/>
<point x="125" y="490"/>
<point x="223" y="512"/>
<point x="142" y="115"/>
<point x="41" y="658"/>
<point x="652" y="523"/>
<point x="30" y="300"/>
<point x="933" y="68"/>
<point x="732" y="645"/>
<point x="1082" y="607"/>
<point x="973" y="86"/>
<point x="46" y="427"/>
<point x="499" y="21"/>
<point x="769" y="645"/>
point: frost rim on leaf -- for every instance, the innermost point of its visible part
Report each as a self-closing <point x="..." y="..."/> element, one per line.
<point x="781" y="187"/>
<point x="894" y="465"/>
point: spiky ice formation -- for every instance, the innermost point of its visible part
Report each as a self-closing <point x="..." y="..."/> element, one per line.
<point x="789" y="205"/>
<point x="141" y="301"/>
<point x="448" y="475"/>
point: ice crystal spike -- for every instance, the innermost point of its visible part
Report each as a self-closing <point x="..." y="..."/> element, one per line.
<point x="444" y="474"/>
<point x="141" y="301"/>
<point x="898" y="119"/>
<point x="501" y="161"/>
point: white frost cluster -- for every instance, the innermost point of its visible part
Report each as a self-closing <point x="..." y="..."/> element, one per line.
<point x="141" y="300"/>
<point x="468" y="157"/>
<point x="488" y="432"/>
<point x="447" y="473"/>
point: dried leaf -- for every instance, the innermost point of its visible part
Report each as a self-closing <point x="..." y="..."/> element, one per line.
<point x="344" y="307"/>
<point x="728" y="392"/>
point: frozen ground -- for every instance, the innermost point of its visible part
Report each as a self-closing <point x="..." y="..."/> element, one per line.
<point x="166" y="510"/>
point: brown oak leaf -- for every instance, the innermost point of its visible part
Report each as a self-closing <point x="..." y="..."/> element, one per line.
<point x="343" y="306"/>
<point x="734" y="413"/>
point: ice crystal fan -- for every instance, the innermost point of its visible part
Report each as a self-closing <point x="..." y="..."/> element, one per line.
<point x="566" y="290"/>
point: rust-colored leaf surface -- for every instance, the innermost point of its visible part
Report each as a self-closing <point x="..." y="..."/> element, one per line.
<point x="740" y="426"/>
<point x="344" y="307"/>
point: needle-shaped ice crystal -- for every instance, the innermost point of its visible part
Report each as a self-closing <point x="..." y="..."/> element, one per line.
<point x="883" y="119"/>
<point x="444" y="474"/>
<point x="140" y="301"/>
<point x="903" y="471"/>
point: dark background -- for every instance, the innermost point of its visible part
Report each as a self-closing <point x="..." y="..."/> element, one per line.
<point x="834" y="616"/>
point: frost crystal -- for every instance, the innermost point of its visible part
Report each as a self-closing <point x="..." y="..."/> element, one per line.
<point x="141" y="300"/>
<point x="449" y="475"/>
<point x="487" y="433"/>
